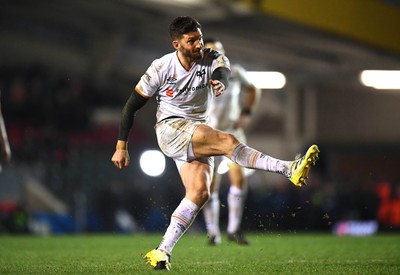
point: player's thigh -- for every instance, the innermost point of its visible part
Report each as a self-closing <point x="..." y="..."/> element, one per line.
<point x="208" y="141"/>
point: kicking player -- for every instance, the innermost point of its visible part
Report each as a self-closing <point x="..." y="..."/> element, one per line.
<point x="227" y="115"/>
<point x="184" y="82"/>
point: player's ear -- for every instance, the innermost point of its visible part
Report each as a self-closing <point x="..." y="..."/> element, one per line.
<point x="175" y="44"/>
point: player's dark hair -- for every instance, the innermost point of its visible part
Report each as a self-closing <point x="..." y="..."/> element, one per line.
<point x="182" y="25"/>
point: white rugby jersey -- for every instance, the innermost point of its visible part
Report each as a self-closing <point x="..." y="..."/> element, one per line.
<point x="179" y="92"/>
<point x="225" y="110"/>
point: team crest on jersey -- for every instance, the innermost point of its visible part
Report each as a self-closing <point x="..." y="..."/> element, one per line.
<point x="201" y="73"/>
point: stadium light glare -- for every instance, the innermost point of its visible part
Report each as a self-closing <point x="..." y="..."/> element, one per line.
<point x="267" y="79"/>
<point x="152" y="163"/>
<point x="381" y="79"/>
<point x="223" y="166"/>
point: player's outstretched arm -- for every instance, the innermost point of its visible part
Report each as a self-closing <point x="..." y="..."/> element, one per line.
<point x="134" y="103"/>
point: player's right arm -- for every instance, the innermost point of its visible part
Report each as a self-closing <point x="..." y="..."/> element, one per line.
<point x="133" y="104"/>
<point x="148" y="84"/>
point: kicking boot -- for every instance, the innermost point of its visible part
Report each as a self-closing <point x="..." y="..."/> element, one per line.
<point x="158" y="259"/>
<point x="301" y="166"/>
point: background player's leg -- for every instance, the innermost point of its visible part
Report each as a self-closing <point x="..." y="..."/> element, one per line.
<point x="211" y="210"/>
<point x="236" y="200"/>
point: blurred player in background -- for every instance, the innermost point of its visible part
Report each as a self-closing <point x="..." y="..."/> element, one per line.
<point x="5" y="151"/>
<point x="184" y="82"/>
<point x="227" y="114"/>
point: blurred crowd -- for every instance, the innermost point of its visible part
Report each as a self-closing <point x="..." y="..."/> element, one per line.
<point x="48" y="119"/>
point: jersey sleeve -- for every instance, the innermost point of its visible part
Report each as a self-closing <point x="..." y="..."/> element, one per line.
<point x="220" y="61"/>
<point x="149" y="83"/>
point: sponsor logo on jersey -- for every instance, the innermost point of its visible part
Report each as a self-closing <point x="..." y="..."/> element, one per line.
<point x="169" y="92"/>
<point x="201" y="73"/>
<point x="189" y="90"/>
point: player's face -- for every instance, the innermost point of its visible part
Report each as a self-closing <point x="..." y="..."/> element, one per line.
<point x="191" y="45"/>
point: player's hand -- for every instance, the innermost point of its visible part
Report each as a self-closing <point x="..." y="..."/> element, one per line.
<point x="218" y="87"/>
<point x="121" y="158"/>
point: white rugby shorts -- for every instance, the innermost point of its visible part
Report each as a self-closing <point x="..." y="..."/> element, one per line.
<point x="174" y="136"/>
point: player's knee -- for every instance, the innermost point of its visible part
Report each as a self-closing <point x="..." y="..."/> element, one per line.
<point x="229" y="143"/>
<point x="229" y="139"/>
<point x="199" y="196"/>
<point x="202" y="196"/>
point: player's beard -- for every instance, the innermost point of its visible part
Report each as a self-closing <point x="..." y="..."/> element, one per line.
<point x="193" y="55"/>
<point x="198" y="54"/>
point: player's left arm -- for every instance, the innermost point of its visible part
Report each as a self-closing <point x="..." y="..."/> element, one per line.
<point x="220" y="80"/>
<point x="221" y="71"/>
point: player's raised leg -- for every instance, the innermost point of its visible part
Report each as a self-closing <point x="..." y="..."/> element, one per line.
<point x="210" y="142"/>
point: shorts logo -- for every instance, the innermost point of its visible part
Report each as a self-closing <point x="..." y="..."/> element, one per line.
<point x="169" y="92"/>
<point x="201" y="73"/>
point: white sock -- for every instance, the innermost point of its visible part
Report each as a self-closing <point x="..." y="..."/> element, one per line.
<point x="181" y="220"/>
<point x="211" y="215"/>
<point x="251" y="158"/>
<point x="236" y="198"/>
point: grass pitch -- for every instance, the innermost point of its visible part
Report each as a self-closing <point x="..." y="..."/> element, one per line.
<point x="268" y="253"/>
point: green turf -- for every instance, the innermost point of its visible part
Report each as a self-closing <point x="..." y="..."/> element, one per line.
<point x="271" y="253"/>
